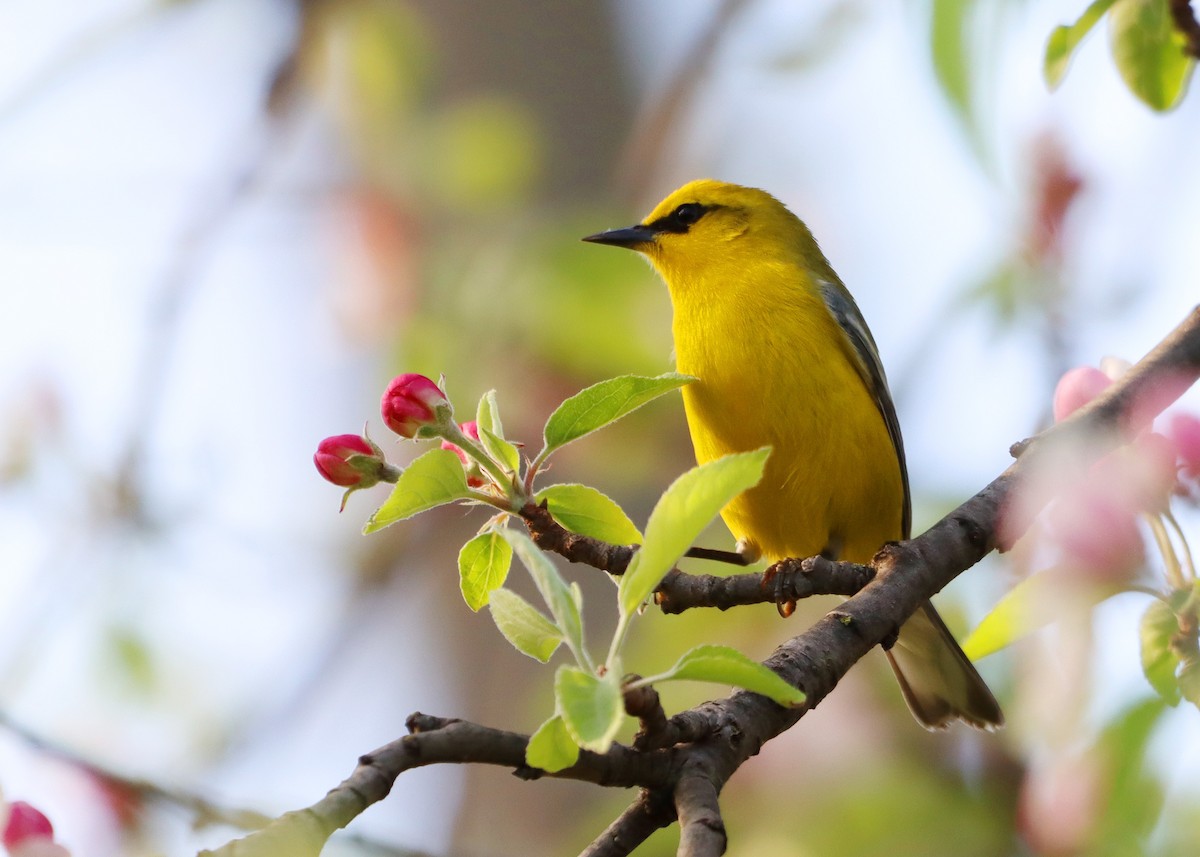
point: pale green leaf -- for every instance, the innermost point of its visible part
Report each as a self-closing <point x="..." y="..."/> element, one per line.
<point x="1160" y="662"/>
<point x="683" y="511"/>
<point x="604" y="403"/>
<point x="487" y="415"/>
<point x="723" y="665"/>
<point x="584" y="510"/>
<point x="1060" y="47"/>
<point x="951" y="52"/>
<point x="591" y="707"/>
<point x="551" y="747"/>
<point x="1189" y="682"/>
<point x="491" y="433"/>
<point x="1148" y="51"/>
<point x="434" y="479"/>
<point x="553" y="589"/>
<point x="1033" y="603"/>
<point x="500" y="450"/>
<point x="524" y="626"/>
<point x="483" y="565"/>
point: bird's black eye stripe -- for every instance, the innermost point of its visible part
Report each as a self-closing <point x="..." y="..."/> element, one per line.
<point x="682" y="218"/>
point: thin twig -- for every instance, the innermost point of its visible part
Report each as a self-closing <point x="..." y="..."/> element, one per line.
<point x="651" y="811"/>
<point x="549" y="535"/>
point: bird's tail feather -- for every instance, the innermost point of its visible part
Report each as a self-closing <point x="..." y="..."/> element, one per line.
<point x="937" y="679"/>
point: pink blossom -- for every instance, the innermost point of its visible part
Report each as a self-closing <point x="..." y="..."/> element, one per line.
<point x="1184" y="431"/>
<point x="410" y="403"/>
<point x="1076" y="388"/>
<point x="25" y="822"/>
<point x="1092" y="519"/>
<point x="1096" y="532"/>
<point x="1059" y="806"/>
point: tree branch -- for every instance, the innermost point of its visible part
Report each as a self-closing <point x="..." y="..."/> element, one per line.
<point x="707" y="744"/>
<point x="786" y="581"/>
<point x="701" y="830"/>
<point x="651" y="811"/>
<point x="549" y="535"/>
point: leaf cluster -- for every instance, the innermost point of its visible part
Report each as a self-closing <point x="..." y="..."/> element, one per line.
<point x="589" y="691"/>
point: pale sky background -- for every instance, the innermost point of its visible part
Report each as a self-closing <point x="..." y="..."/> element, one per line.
<point x="101" y="172"/>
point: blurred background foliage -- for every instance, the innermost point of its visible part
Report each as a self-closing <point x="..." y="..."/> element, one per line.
<point x="226" y="223"/>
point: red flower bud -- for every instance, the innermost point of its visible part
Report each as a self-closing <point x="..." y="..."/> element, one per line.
<point x="333" y="460"/>
<point x="1076" y="388"/>
<point x="410" y="403"/>
<point x="25" y="823"/>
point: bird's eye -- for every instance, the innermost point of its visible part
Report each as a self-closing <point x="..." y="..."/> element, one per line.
<point x="689" y="213"/>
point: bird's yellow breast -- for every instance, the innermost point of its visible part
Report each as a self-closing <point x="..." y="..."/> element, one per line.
<point x="771" y="372"/>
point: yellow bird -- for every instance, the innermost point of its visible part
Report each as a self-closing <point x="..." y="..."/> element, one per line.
<point x="784" y="358"/>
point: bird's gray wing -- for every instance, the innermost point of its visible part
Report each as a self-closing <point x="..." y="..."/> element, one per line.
<point x="865" y="356"/>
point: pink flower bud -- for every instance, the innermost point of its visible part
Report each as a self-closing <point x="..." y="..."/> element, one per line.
<point x="410" y="403"/>
<point x="1076" y="388"/>
<point x="1184" y="432"/>
<point x="336" y="460"/>
<point x="25" y="823"/>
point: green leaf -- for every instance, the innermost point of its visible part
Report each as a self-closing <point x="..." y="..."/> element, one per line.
<point x="487" y="415"/>
<point x="1159" y="660"/>
<point x="434" y="479"/>
<point x="951" y="53"/>
<point x="501" y="450"/>
<point x="1132" y="795"/>
<point x="604" y="403"/>
<point x="1060" y="47"/>
<point x="1189" y="682"/>
<point x="1148" y="51"/>
<point x="483" y="565"/>
<point x="584" y="510"/>
<point x="553" y="589"/>
<point x="1028" y="606"/>
<point x="491" y="433"/>
<point x="528" y="630"/>
<point x="551" y="747"/>
<point x="683" y="511"/>
<point x="723" y="665"/>
<point x="591" y="707"/>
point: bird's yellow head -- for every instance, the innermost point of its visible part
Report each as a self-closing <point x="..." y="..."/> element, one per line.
<point x="711" y="227"/>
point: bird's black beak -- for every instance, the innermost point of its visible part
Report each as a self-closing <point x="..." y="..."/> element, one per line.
<point x="631" y="237"/>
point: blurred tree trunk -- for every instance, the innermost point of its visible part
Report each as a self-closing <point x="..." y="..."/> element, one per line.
<point x="554" y="58"/>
